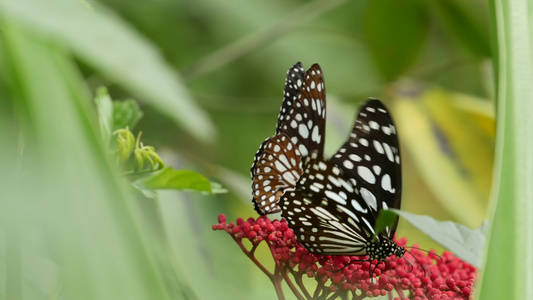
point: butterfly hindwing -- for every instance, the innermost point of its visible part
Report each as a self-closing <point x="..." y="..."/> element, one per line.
<point x="326" y="212"/>
<point x="276" y="168"/>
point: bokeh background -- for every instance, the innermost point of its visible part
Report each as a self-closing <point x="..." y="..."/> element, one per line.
<point x="429" y="61"/>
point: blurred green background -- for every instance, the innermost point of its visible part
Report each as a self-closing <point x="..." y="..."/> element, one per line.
<point x="209" y="76"/>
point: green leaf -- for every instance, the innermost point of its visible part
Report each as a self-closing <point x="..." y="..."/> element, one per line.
<point x="61" y="199"/>
<point x="126" y="114"/>
<point x="452" y="150"/>
<point x="395" y="32"/>
<point x="217" y="188"/>
<point x="465" y="243"/>
<point x="107" y="43"/>
<point x="104" y="106"/>
<point x="170" y="178"/>
<point x="463" y="26"/>
<point x="385" y="218"/>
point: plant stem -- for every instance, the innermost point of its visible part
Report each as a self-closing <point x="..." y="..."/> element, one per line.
<point x="251" y="256"/>
<point x="291" y="285"/>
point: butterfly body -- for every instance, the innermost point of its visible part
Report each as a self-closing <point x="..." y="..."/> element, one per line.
<point x="383" y="249"/>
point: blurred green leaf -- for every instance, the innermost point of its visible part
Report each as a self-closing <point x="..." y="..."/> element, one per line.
<point x="463" y="25"/>
<point x="126" y="114"/>
<point x="465" y="136"/>
<point x="452" y="151"/>
<point x="65" y="202"/>
<point x="217" y="188"/>
<point x="463" y="242"/>
<point x="115" y="115"/>
<point x="169" y="178"/>
<point x="395" y="32"/>
<point x="110" y="45"/>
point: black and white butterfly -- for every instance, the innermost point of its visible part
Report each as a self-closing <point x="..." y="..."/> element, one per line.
<point x="300" y="130"/>
<point x="334" y="206"/>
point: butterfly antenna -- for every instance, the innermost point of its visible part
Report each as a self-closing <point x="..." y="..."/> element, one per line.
<point x="429" y="252"/>
<point x="351" y="261"/>
<point x="412" y="267"/>
<point x="343" y="267"/>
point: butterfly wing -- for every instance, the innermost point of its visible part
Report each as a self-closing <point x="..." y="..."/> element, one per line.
<point x="371" y="158"/>
<point x="305" y="123"/>
<point x="326" y="211"/>
<point x="293" y="82"/>
<point x="277" y="166"/>
<point x="300" y="129"/>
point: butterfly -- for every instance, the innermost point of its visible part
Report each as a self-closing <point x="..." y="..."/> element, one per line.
<point x="300" y="130"/>
<point x="334" y="205"/>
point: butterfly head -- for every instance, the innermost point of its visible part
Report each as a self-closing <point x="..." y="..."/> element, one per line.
<point x="383" y="248"/>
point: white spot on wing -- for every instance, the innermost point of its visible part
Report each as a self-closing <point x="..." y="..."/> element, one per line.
<point x="386" y="183"/>
<point x="378" y="147"/>
<point x="294" y="124"/>
<point x="333" y="196"/>
<point x="377" y="169"/>
<point x="279" y="166"/>
<point x="388" y="151"/>
<point x="289" y="178"/>
<point x="358" y="207"/>
<point x="314" y="136"/>
<point x="284" y="160"/>
<point x="366" y="174"/>
<point x="303" y="131"/>
<point x="369" y="198"/>
<point x="386" y="129"/>
<point x="348" y="164"/>
<point x="354" y="157"/>
<point x="303" y="150"/>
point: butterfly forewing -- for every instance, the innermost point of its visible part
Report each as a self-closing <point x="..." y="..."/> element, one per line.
<point x="302" y="123"/>
<point x="293" y="82"/>
<point x="326" y="212"/>
<point x="276" y="168"/>
<point x="371" y="159"/>
<point x="305" y="121"/>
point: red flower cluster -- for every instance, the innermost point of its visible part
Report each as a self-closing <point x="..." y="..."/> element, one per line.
<point x="427" y="276"/>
